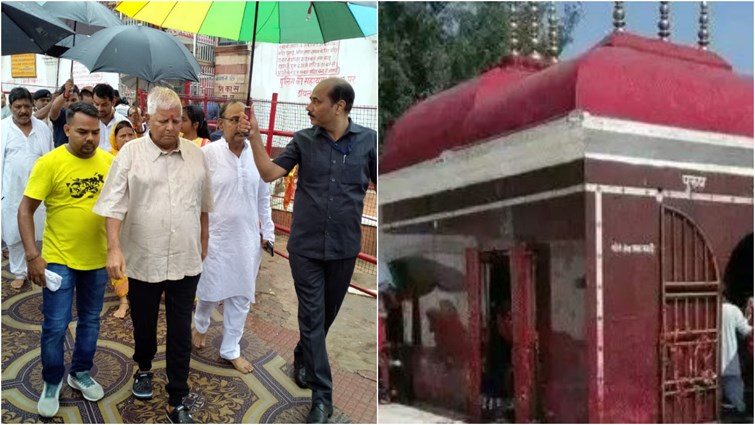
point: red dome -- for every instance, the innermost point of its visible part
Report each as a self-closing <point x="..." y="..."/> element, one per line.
<point x="625" y="76"/>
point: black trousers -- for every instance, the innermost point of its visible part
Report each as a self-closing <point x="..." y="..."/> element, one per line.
<point x="144" y="298"/>
<point x="320" y="288"/>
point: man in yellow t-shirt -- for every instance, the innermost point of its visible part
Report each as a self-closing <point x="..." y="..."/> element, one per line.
<point x="74" y="246"/>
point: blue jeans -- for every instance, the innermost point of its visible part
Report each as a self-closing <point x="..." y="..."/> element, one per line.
<point x="733" y="390"/>
<point x="56" y="307"/>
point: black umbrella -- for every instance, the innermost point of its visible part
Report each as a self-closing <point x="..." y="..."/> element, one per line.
<point x="83" y="12"/>
<point x="63" y="45"/>
<point x="91" y="14"/>
<point x="424" y="275"/>
<point x="29" y="28"/>
<point x="139" y="51"/>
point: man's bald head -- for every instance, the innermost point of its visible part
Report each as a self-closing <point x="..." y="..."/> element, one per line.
<point x="339" y="89"/>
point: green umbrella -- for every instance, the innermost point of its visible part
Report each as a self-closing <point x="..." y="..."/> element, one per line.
<point x="271" y="22"/>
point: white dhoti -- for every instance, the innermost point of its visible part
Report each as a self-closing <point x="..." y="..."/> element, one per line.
<point x="240" y="220"/>
<point x="17" y="156"/>
<point x="17" y="257"/>
<point x="235" y="311"/>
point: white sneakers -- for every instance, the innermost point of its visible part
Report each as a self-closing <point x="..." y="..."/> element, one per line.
<point x="49" y="404"/>
<point x="89" y="388"/>
<point x="49" y="400"/>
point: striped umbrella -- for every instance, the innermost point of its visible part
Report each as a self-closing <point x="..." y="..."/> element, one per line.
<point x="270" y="22"/>
<point x="277" y="22"/>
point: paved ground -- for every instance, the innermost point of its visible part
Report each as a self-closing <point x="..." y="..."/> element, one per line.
<point x="402" y="414"/>
<point x="352" y="340"/>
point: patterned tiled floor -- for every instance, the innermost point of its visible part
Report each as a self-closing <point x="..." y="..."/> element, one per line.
<point x="219" y="394"/>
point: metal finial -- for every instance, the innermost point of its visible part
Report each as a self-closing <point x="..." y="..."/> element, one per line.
<point x="534" y="30"/>
<point x="664" y="24"/>
<point x="552" y="32"/>
<point x="514" y="29"/>
<point x="618" y="16"/>
<point x="703" y="36"/>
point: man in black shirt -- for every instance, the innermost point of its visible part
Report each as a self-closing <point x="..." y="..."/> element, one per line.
<point x="337" y="158"/>
<point x="64" y="97"/>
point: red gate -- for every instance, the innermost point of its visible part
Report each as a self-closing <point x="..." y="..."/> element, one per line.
<point x="524" y="353"/>
<point x="525" y="333"/>
<point x="474" y="365"/>
<point x="690" y="306"/>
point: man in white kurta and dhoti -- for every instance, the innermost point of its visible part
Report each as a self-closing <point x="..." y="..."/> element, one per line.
<point x="24" y="139"/>
<point x="240" y="226"/>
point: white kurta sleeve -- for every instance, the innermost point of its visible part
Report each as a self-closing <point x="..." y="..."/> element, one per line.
<point x="3" y="142"/>
<point x="264" y="211"/>
<point x="43" y="142"/>
<point x="743" y="328"/>
<point x="49" y="143"/>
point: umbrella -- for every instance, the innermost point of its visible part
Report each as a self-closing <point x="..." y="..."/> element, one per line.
<point x="271" y="22"/>
<point x="89" y="13"/>
<point x="132" y="83"/>
<point x="28" y="28"/>
<point x="63" y="45"/>
<point x="85" y="12"/>
<point x="136" y="50"/>
<point x="424" y="275"/>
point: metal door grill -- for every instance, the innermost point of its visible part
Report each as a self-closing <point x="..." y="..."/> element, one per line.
<point x="689" y="335"/>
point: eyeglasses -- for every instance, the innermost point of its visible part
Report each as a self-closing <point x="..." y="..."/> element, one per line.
<point x="234" y="120"/>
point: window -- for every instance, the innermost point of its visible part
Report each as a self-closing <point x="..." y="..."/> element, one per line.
<point x="227" y="42"/>
<point x="205" y="52"/>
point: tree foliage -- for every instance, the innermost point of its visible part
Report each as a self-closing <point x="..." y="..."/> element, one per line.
<point x="426" y="47"/>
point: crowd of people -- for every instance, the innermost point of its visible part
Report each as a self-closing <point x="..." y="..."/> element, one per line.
<point x="152" y="206"/>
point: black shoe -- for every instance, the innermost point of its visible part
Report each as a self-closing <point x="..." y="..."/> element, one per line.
<point x="142" y="388"/>
<point x="180" y="415"/>
<point x="300" y="376"/>
<point x="319" y="413"/>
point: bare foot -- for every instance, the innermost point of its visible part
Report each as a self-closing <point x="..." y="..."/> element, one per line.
<point x="17" y="283"/>
<point x="197" y="338"/>
<point x="121" y="312"/>
<point x="5" y="254"/>
<point x="241" y="365"/>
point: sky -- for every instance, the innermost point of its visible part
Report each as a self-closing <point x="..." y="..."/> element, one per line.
<point x="730" y="26"/>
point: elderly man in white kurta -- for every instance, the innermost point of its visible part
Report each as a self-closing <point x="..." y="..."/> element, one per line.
<point x="24" y="140"/>
<point x="239" y="227"/>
